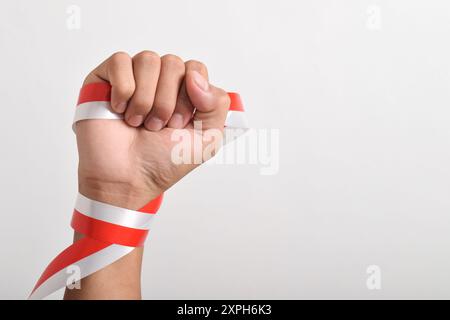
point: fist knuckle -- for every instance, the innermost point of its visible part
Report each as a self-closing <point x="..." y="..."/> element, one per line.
<point x="119" y="57"/>
<point x="173" y="62"/>
<point x="147" y="56"/>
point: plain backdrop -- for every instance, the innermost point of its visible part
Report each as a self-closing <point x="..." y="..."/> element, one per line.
<point x="359" y="91"/>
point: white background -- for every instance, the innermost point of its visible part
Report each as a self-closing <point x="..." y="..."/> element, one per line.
<point x="362" y="106"/>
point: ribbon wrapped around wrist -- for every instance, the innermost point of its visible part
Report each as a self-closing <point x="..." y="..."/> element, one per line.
<point x="109" y="232"/>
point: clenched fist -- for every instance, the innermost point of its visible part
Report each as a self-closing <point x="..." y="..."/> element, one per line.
<point x="127" y="163"/>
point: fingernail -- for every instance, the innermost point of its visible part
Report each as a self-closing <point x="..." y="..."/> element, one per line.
<point x="176" y="121"/>
<point x="200" y="81"/>
<point x="121" y="107"/>
<point x="154" y="124"/>
<point x="135" y="121"/>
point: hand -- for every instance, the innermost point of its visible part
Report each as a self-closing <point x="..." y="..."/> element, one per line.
<point x="128" y="163"/>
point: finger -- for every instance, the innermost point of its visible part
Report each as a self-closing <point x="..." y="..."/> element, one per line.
<point x="211" y="103"/>
<point x="184" y="109"/>
<point x="169" y="83"/>
<point x="146" y="67"/>
<point x="118" y="71"/>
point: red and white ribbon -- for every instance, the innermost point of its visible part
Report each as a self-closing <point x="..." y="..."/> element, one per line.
<point x="109" y="232"/>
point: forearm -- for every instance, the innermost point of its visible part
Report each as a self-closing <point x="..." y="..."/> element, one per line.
<point x="121" y="279"/>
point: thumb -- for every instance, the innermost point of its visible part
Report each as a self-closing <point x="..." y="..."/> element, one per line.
<point x="211" y="103"/>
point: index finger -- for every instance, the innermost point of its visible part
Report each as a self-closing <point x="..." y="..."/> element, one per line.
<point x="118" y="71"/>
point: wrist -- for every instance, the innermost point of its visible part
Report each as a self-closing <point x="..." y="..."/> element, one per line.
<point x="119" y="194"/>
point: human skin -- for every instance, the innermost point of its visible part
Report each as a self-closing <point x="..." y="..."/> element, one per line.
<point x="128" y="163"/>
